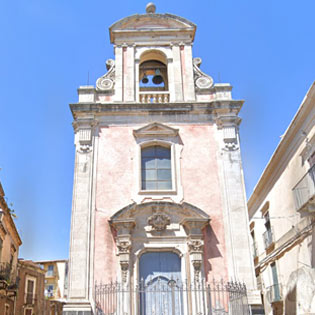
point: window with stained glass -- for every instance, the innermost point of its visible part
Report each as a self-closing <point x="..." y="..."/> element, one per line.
<point x="156" y="171"/>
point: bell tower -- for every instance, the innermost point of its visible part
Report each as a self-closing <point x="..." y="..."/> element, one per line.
<point x="158" y="179"/>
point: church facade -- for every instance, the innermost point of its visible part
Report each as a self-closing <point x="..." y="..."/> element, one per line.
<point x="159" y="199"/>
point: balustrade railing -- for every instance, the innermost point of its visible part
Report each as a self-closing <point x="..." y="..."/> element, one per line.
<point x="268" y="238"/>
<point x="154" y="97"/>
<point x="305" y="189"/>
<point x="274" y="293"/>
<point x="5" y="271"/>
<point x="171" y="298"/>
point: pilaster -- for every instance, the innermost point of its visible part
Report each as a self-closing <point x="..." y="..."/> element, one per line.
<point x="177" y="74"/>
<point x="81" y="219"/>
<point x="118" y="74"/>
<point x="240" y="263"/>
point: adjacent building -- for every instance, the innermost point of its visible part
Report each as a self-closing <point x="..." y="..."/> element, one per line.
<point x="9" y="248"/>
<point x="56" y="273"/>
<point x="159" y="217"/>
<point x="30" y="298"/>
<point x="282" y="218"/>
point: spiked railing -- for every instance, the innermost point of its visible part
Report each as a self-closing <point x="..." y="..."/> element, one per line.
<point x="171" y="298"/>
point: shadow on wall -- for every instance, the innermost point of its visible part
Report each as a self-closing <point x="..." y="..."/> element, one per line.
<point x="290" y="302"/>
<point x="211" y="249"/>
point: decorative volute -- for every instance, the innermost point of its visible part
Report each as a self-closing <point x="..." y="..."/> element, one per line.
<point x="154" y="64"/>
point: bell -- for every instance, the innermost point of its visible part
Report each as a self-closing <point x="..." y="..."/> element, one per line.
<point x="157" y="79"/>
<point x="145" y="79"/>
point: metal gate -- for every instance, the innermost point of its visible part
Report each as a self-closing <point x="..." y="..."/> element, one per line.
<point x="171" y="298"/>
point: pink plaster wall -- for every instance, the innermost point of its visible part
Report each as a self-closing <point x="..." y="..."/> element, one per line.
<point x="201" y="185"/>
<point x="116" y="169"/>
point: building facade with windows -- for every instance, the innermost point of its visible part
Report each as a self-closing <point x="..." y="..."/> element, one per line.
<point x="159" y="209"/>
<point x="30" y="297"/>
<point x="9" y="248"/>
<point x="56" y="275"/>
<point x="282" y="218"/>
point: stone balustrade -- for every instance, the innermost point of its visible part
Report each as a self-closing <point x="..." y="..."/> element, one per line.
<point x="154" y="97"/>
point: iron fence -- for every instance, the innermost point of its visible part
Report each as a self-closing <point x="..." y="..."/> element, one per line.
<point x="160" y="297"/>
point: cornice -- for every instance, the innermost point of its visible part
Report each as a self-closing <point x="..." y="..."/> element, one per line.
<point x="217" y="108"/>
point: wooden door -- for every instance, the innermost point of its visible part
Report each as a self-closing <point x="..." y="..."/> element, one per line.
<point x="160" y="293"/>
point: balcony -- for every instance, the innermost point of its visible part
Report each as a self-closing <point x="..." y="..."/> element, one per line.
<point x="274" y="293"/>
<point x="154" y="97"/>
<point x="254" y="249"/>
<point x="268" y="238"/>
<point x="304" y="192"/>
<point x="49" y="274"/>
<point x="172" y="298"/>
<point x="5" y="272"/>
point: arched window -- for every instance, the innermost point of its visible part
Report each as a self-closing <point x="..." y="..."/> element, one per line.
<point x="156" y="171"/>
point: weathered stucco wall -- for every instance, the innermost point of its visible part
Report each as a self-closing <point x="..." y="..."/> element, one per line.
<point x="117" y="170"/>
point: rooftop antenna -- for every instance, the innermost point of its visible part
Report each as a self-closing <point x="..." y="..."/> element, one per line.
<point x="88" y="78"/>
<point x="219" y="77"/>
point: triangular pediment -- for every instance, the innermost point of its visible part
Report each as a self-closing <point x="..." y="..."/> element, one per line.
<point x="137" y="25"/>
<point x="145" y="21"/>
<point x="155" y="129"/>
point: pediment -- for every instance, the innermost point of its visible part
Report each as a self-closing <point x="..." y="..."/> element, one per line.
<point x="152" y="22"/>
<point x="155" y="129"/>
<point x="145" y="21"/>
<point x="182" y="214"/>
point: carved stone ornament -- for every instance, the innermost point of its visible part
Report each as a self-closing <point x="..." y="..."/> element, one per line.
<point x="231" y="146"/>
<point x="197" y="269"/>
<point x="124" y="265"/>
<point x="202" y="80"/>
<point x="195" y="246"/>
<point x="107" y="81"/>
<point x="123" y="247"/>
<point x="159" y="221"/>
<point x="85" y="148"/>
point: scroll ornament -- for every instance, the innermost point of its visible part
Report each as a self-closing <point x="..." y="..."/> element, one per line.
<point x="202" y="80"/>
<point x="107" y="81"/>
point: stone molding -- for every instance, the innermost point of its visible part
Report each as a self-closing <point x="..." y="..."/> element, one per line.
<point x="229" y="125"/>
<point x="155" y="129"/>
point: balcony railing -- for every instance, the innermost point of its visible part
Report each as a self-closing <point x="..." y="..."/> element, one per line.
<point x="254" y="248"/>
<point x="5" y="271"/>
<point x="154" y="97"/>
<point x="268" y="238"/>
<point x="304" y="191"/>
<point x="49" y="273"/>
<point x="172" y="298"/>
<point x="274" y="293"/>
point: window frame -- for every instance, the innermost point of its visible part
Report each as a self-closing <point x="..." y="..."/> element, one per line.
<point x="30" y="278"/>
<point x="162" y="143"/>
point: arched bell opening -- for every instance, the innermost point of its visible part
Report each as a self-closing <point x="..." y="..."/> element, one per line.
<point x="153" y="77"/>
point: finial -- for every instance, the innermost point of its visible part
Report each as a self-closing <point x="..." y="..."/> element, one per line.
<point x="150" y="8"/>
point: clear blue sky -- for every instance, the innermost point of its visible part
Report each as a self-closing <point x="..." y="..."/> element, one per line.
<point x="265" y="49"/>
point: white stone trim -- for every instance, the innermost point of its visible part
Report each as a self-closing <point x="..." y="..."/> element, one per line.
<point x="176" y="192"/>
